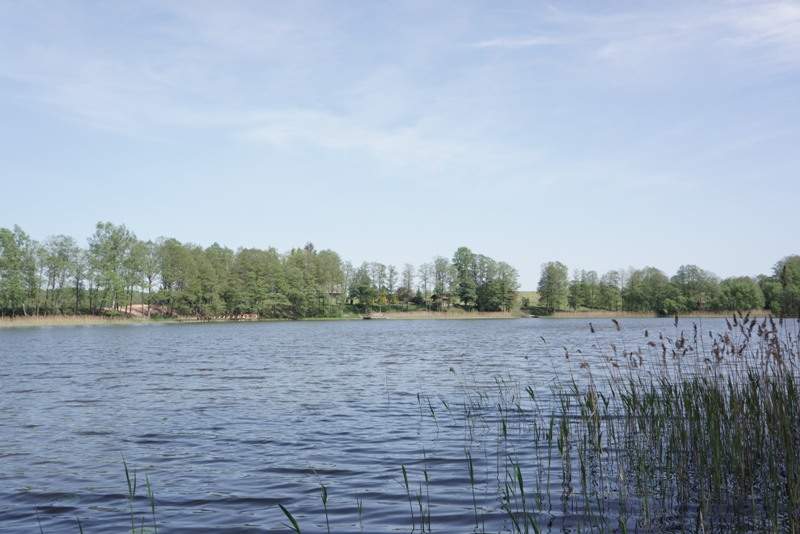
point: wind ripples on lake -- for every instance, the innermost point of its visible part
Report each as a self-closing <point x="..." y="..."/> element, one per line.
<point x="230" y="420"/>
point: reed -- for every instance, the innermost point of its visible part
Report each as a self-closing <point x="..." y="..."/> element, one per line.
<point x="360" y="511"/>
<point x="696" y="432"/>
<point x="292" y="521"/>
<point x="323" y="490"/>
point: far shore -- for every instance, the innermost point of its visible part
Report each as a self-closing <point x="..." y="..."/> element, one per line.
<point x="604" y="314"/>
<point x="451" y="314"/>
<point x="101" y="320"/>
<point x="419" y="315"/>
<point x="72" y="320"/>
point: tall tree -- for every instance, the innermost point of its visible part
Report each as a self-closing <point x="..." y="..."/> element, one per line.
<point x="133" y="267"/>
<point x="610" y="295"/>
<point x="464" y="267"/>
<point x="363" y="288"/>
<point x="80" y="271"/>
<point x="771" y="289"/>
<point x="442" y="280"/>
<point x="554" y="285"/>
<point x="12" y="282"/>
<point x="508" y="282"/>
<point x="575" y="295"/>
<point x="150" y="270"/>
<point x="348" y="277"/>
<point x="406" y="291"/>
<point x="787" y="272"/>
<point x="391" y="280"/>
<point x="739" y="293"/>
<point x="425" y="273"/>
<point x="649" y="289"/>
<point x="408" y="277"/>
<point x="699" y="289"/>
<point x="58" y="256"/>
<point x="108" y="248"/>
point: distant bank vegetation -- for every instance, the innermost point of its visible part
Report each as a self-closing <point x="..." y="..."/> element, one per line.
<point x="691" y="289"/>
<point x="117" y="273"/>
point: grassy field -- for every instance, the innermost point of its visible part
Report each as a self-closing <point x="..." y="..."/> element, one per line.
<point x="532" y="296"/>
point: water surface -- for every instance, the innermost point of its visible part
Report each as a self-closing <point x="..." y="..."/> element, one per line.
<point x="229" y="420"/>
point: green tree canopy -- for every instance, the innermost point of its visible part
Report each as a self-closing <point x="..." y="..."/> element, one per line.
<point x="554" y="285"/>
<point x="740" y="293"/>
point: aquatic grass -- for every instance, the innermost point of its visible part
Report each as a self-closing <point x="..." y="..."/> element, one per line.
<point x="360" y="512"/>
<point x="471" y="466"/>
<point x="152" y="500"/>
<point x="408" y="494"/>
<point x="131" y="479"/>
<point x="682" y="439"/>
<point x="323" y="490"/>
<point x="425" y="511"/>
<point x="292" y="521"/>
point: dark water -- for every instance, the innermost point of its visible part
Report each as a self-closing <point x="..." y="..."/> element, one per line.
<point x="229" y="420"/>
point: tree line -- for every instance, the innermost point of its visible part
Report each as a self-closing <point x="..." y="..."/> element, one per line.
<point x="118" y="273"/>
<point x="470" y="281"/>
<point x="690" y="289"/>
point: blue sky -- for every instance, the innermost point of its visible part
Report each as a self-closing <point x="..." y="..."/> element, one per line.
<point x="602" y="134"/>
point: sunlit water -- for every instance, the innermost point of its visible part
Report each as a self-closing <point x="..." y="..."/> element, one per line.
<point x="229" y="420"/>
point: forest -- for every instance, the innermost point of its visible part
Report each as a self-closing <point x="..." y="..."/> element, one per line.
<point x="117" y="273"/>
<point x="691" y="289"/>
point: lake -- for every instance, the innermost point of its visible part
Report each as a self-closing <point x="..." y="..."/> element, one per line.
<point x="230" y="420"/>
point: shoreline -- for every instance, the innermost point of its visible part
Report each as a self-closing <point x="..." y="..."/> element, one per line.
<point x="77" y="320"/>
<point x="97" y="320"/>
<point x="601" y="314"/>
<point x="450" y="315"/>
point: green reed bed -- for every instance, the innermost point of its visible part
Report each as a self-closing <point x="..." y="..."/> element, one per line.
<point x="687" y="433"/>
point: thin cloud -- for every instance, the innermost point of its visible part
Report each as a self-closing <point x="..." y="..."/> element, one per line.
<point x="519" y="42"/>
<point x="773" y="27"/>
<point x="426" y="144"/>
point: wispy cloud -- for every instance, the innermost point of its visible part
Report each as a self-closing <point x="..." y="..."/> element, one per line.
<point x="303" y="127"/>
<point x="745" y="34"/>
<point x="427" y="146"/>
<point x="519" y="42"/>
<point x="771" y="27"/>
<point x="233" y="70"/>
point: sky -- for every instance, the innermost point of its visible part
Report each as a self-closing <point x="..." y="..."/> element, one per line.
<point x="601" y="134"/>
